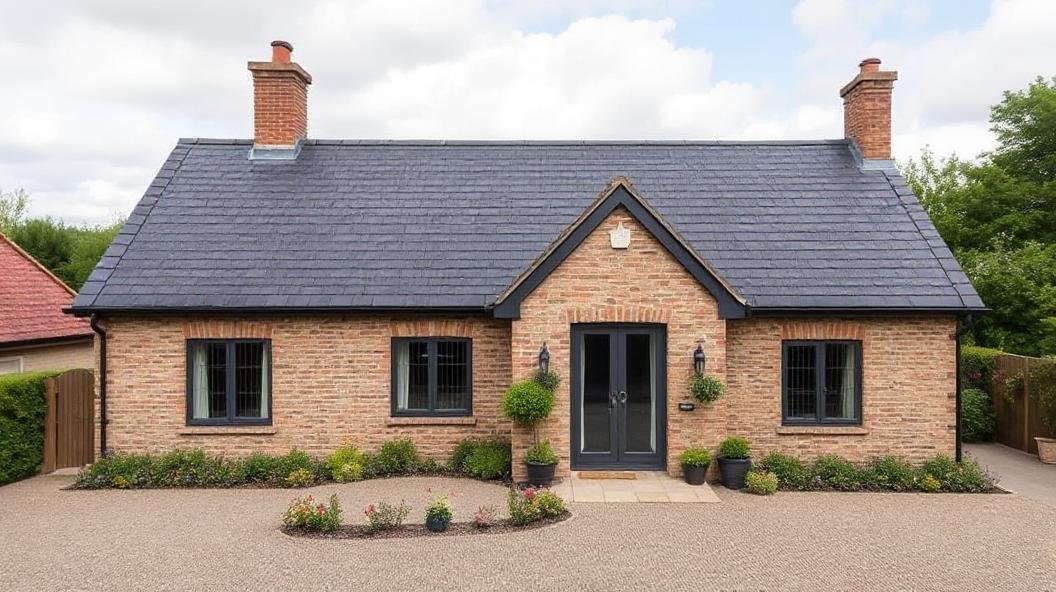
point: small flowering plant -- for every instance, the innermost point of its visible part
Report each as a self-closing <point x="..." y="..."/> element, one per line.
<point x="485" y="517"/>
<point x="440" y="508"/>
<point x="529" y="505"/>
<point x="385" y="516"/>
<point x="306" y="514"/>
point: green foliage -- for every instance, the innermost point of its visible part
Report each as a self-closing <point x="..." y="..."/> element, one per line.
<point x="929" y="484"/>
<point x="385" y="516"/>
<point x="394" y="457"/>
<point x="965" y="477"/>
<point x="22" y="408"/>
<point x="541" y="454"/>
<point x="998" y="216"/>
<point x="531" y="504"/>
<point x="978" y="365"/>
<point x="304" y="513"/>
<point x="548" y="380"/>
<point x="259" y="468"/>
<point x="440" y="508"/>
<point x="761" y="483"/>
<point x="123" y="471"/>
<point x="889" y="473"/>
<point x="735" y="447"/>
<point x="837" y="473"/>
<point x="1043" y="390"/>
<point x="195" y="468"/>
<point x="13" y="206"/>
<point x="67" y="251"/>
<point x="792" y="473"/>
<point x="526" y="403"/>
<point x="189" y="468"/>
<point x="345" y="464"/>
<point x="695" y="457"/>
<point x="299" y="478"/>
<point x="706" y="389"/>
<point x="484" y="459"/>
<point x="977" y="416"/>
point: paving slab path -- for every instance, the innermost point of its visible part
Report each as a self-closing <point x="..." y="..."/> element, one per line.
<point x="52" y="539"/>
<point x="1017" y="471"/>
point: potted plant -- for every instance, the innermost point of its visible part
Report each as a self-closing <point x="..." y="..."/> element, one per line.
<point x="526" y="404"/>
<point x="706" y="388"/>
<point x="540" y="462"/>
<point x="695" y="463"/>
<point x="1043" y="390"/>
<point x="734" y="461"/>
<point x="438" y="514"/>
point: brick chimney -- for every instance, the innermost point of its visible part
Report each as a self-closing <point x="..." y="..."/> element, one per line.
<point x="280" y="100"/>
<point x="867" y="109"/>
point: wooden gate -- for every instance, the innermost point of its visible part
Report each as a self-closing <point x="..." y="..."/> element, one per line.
<point x="69" y="425"/>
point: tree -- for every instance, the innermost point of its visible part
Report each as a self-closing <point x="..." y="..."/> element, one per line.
<point x="998" y="215"/>
<point x="12" y="209"/>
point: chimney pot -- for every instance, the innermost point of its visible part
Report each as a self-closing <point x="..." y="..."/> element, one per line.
<point x="867" y="109"/>
<point x="869" y="65"/>
<point x="280" y="51"/>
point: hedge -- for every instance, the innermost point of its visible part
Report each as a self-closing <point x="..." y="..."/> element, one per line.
<point x="978" y="365"/>
<point x="22" y="409"/>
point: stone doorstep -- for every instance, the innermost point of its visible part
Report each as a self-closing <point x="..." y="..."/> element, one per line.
<point x="649" y="487"/>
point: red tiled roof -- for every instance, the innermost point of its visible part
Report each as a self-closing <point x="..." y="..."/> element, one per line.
<point x="32" y="299"/>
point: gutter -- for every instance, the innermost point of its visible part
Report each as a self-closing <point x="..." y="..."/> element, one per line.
<point x="965" y="327"/>
<point x="103" y="452"/>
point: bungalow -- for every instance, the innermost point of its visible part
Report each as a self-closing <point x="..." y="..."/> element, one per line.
<point x="34" y="334"/>
<point x="288" y="292"/>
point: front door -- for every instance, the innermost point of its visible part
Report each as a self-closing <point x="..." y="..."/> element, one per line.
<point x="618" y="396"/>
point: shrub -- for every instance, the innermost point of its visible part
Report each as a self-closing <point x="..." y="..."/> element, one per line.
<point x="345" y="464"/>
<point x="484" y="517"/>
<point x="526" y="403"/>
<point x="889" y="473"/>
<point x="978" y="365"/>
<point x="123" y="471"/>
<point x="735" y="447"/>
<point x="965" y="477"/>
<point x="706" y="389"/>
<point x="977" y="416"/>
<point x="490" y="459"/>
<point x="440" y="508"/>
<point x="294" y="460"/>
<point x="189" y="468"/>
<point x="761" y="483"/>
<point x="305" y="513"/>
<point x="531" y="504"/>
<point x="259" y="468"/>
<point x="838" y="473"/>
<point x="22" y="409"/>
<point x="299" y="478"/>
<point x="541" y="454"/>
<point x="385" y="516"/>
<point x="549" y="503"/>
<point x="791" y="472"/>
<point x="395" y="456"/>
<point x="461" y="452"/>
<point x="930" y="484"/>
<point x="695" y="457"/>
<point x="547" y="380"/>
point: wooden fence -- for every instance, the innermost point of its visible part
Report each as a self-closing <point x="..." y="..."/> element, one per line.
<point x="1018" y="415"/>
<point x="69" y="423"/>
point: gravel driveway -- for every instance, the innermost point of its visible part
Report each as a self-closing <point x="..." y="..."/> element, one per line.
<point x="229" y="540"/>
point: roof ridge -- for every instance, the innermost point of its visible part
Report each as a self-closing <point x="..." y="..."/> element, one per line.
<point x="471" y="142"/>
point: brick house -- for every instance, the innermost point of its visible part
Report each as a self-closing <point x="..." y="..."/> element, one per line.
<point x="34" y="334"/>
<point x="287" y="292"/>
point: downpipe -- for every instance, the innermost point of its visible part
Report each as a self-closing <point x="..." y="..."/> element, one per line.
<point x="103" y="452"/>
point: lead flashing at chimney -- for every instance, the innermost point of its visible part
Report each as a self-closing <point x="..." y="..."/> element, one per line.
<point x="869" y="164"/>
<point x="276" y="152"/>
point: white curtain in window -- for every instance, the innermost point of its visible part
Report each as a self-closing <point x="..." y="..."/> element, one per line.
<point x="264" y="388"/>
<point x="403" y="374"/>
<point x="849" y="383"/>
<point x="200" y="382"/>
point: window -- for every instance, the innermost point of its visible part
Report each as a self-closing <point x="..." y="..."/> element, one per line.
<point x="10" y="365"/>
<point x="432" y="376"/>
<point x="822" y="382"/>
<point x="228" y="382"/>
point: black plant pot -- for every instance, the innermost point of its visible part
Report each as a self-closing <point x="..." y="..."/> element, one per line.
<point x="437" y="523"/>
<point x="694" y="475"/>
<point x="540" y="475"/>
<point x="733" y="471"/>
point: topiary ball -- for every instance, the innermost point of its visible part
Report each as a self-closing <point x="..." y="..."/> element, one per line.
<point x="527" y="403"/>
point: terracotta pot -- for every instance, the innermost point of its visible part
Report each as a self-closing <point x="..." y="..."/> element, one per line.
<point x="1046" y="450"/>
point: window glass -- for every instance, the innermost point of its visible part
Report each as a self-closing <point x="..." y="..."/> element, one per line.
<point x="431" y="376"/>
<point x="821" y="382"/>
<point x="801" y="381"/>
<point x="840" y="382"/>
<point x="229" y="381"/>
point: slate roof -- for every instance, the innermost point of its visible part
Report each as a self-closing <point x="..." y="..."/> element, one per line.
<point x="415" y="224"/>
<point x="31" y="301"/>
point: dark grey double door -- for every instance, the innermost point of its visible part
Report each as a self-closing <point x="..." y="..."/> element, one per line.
<point x="618" y="397"/>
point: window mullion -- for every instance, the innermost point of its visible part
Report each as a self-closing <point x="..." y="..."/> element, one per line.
<point x="820" y="379"/>
<point x="229" y="380"/>
<point x="432" y="372"/>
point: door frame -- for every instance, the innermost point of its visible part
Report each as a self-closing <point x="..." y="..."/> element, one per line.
<point x="578" y="460"/>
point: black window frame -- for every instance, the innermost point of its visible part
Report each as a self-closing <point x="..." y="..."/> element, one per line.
<point x="432" y="386"/>
<point x="820" y="383"/>
<point x="229" y="385"/>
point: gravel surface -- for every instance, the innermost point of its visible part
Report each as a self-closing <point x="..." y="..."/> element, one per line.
<point x="229" y="540"/>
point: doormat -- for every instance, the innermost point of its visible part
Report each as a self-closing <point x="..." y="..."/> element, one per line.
<point x="607" y="475"/>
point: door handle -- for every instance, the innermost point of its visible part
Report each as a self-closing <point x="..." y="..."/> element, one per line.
<point x="612" y="401"/>
<point x="623" y="397"/>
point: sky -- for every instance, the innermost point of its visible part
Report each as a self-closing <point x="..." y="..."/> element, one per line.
<point x="96" y="93"/>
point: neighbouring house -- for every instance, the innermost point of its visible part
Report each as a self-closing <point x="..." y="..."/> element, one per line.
<point x="34" y="332"/>
<point x="288" y="292"/>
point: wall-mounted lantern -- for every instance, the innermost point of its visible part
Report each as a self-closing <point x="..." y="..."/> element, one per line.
<point x="699" y="360"/>
<point x="544" y="359"/>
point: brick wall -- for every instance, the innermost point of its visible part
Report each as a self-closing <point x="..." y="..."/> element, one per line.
<point x="331" y="378"/>
<point x="280" y="104"/>
<point x="642" y="284"/>
<point x="908" y="383"/>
